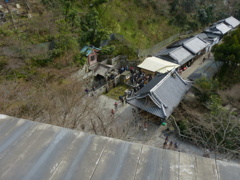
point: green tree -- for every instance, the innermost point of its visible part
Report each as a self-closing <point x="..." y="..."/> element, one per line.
<point x="205" y="14"/>
<point x="229" y="51"/>
<point x="66" y="44"/>
<point x="92" y="30"/>
<point x="204" y="88"/>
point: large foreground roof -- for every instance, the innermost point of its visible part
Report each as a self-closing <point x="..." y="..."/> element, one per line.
<point x="36" y="151"/>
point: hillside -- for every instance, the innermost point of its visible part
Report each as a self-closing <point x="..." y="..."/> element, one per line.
<point x="142" y="23"/>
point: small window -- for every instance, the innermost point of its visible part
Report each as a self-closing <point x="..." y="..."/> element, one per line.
<point x="92" y="58"/>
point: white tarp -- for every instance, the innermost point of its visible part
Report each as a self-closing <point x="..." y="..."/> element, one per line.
<point x="155" y="64"/>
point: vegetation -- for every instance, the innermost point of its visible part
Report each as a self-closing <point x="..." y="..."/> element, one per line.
<point x="207" y="120"/>
<point x="117" y="91"/>
<point x="228" y="53"/>
<point x="205" y="88"/>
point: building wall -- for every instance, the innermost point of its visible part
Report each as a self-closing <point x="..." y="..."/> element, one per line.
<point x="92" y="58"/>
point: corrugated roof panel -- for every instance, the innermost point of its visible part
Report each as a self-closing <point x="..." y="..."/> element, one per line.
<point x="119" y="160"/>
<point x="227" y="170"/>
<point x="232" y="21"/>
<point x="223" y="28"/>
<point x="31" y="150"/>
<point x="150" y="164"/>
<point x="187" y="166"/>
<point x="80" y="160"/>
<point x="170" y="165"/>
<point x="195" y="45"/>
<point x="204" y="165"/>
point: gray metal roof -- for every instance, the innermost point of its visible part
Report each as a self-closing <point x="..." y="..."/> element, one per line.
<point x="223" y="28"/>
<point x="179" y="42"/>
<point x="205" y="37"/>
<point x="166" y="94"/>
<point x="213" y="30"/>
<point x="35" y="151"/>
<point x="213" y="36"/>
<point x="218" y="28"/>
<point x="179" y="55"/>
<point x="195" y="44"/>
<point x="232" y="22"/>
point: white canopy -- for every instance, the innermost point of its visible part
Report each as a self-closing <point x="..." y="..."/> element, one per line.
<point x="155" y="64"/>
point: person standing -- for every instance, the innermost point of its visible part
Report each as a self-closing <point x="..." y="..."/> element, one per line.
<point x="116" y="106"/>
<point x="165" y="145"/>
<point x="112" y="112"/>
<point x="175" y="145"/>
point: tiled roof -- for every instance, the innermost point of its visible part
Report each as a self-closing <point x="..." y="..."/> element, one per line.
<point x="165" y="91"/>
<point x="151" y="84"/>
<point x="36" y="151"/>
<point x="195" y="44"/>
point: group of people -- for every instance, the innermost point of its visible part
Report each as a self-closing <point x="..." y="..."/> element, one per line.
<point x="139" y="79"/>
<point x="169" y="145"/>
<point x="181" y="69"/>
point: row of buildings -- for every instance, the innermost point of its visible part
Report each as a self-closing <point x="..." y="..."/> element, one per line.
<point x="161" y="95"/>
<point x="183" y="52"/>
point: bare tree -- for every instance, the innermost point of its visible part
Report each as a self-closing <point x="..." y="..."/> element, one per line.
<point x="217" y="132"/>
